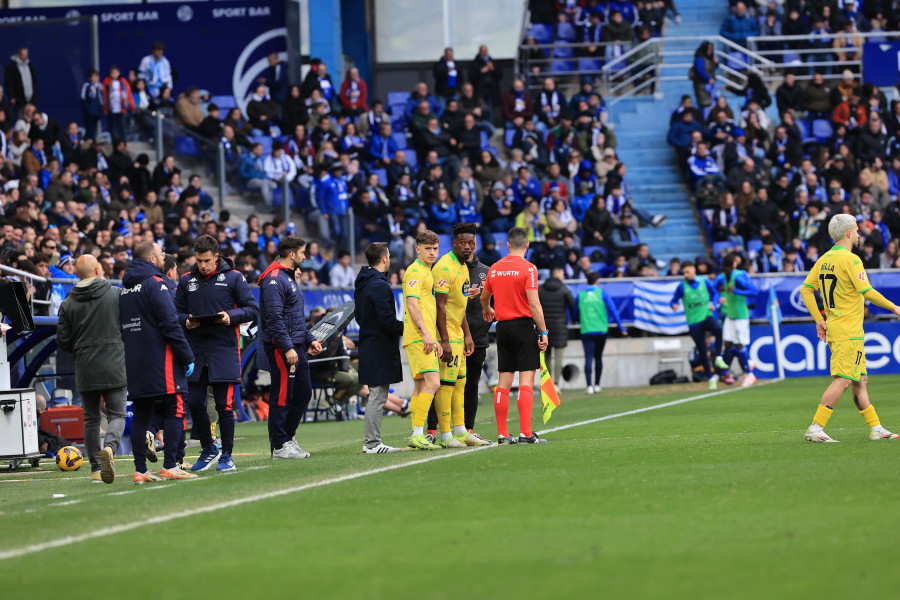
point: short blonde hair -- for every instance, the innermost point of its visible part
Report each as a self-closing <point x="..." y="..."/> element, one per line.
<point x="840" y="225"/>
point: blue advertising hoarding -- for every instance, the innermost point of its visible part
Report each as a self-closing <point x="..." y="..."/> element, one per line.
<point x="881" y="62"/>
<point x="806" y="356"/>
<point x="217" y="46"/>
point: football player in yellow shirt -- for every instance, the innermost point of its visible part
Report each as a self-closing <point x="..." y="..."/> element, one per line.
<point x="841" y="280"/>
<point x="419" y="334"/>
<point x="451" y="292"/>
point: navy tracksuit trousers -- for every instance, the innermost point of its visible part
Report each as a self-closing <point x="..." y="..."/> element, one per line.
<point x="289" y="396"/>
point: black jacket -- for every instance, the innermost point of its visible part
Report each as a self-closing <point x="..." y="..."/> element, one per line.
<point x="379" y="329"/>
<point x="556" y="300"/>
<point x="478" y="327"/>
<point x="12" y="85"/>
<point x="156" y="352"/>
<point x="442" y="78"/>
<point x="216" y="347"/>
<point x="89" y="328"/>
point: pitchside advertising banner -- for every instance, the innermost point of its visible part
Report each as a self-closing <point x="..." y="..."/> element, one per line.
<point x="217" y="46"/>
<point x="804" y="354"/>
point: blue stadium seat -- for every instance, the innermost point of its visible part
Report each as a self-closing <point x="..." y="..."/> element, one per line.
<point x="562" y="66"/>
<point x="266" y="142"/>
<point x="411" y="157"/>
<point x="597" y="267"/>
<point x="590" y="64"/>
<point x="720" y="247"/>
<point x="737" y="60"/>
<point x="187" y="146"/>
<point x="588" y="250"/>
<point x="804" y="129"/>
<point x="382" y="176"/>
<point x="485" y="141"/>
<point x="563" y="52"/>
<point x="753" y="246"/>
<point x="277" y="197"/>
<point x="508" y="137"/>
<point x="500" y="239"/>
<point x="565" y="32"/>
<point x="397" y="98"/>
<point x="396" y="109"/>
<point x="822" y="130"/>
<point x="543" y="33"/>
<point x="224" y="102"/>
<point x="446" y="243"/>
<point x="400" y="140"/>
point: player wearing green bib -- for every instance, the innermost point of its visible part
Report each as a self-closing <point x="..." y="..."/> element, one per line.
<point x="700" y="297"/>
<point x="595" y="307"/>
<point x="737" y="288"/>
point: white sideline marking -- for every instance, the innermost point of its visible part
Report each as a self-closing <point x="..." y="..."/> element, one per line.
<point x="655" y="407"/>
<point x="107" y="531"/>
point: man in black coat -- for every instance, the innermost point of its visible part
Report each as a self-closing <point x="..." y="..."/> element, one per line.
<point x="379" y="341"/>
<point x="20" y="82"/>
<point x="214" y="287"/>
<point x="446" y="77"/>
<point x="89" y="328"/>
<point x="158" y="359"/>
<point x="558" y="303"/>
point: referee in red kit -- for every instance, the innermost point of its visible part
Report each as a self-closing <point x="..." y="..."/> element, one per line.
<point x="513" y="280"/>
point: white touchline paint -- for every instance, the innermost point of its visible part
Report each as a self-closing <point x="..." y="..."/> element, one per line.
<point x="107" y="531"/>
<point x="654" y="407"/>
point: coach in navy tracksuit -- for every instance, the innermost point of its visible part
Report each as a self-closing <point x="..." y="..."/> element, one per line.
<point x="157" y="356"/>
<point x="286" y="341"/>
<point x="213" y="287"/>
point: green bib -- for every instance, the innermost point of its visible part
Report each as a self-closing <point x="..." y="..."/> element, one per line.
<point x="735" y="305"/>
<point x="594" y="318"/>
<point x="696" y="301"/>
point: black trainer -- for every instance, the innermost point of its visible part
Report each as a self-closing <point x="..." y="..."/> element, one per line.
<point x="506" y="439"/>
<point x="430" y="437"/>
<point x="531" y="439"/>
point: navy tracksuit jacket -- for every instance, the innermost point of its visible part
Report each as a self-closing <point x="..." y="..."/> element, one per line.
<point x="156" y="351"/>
<point x="216" y="346"/>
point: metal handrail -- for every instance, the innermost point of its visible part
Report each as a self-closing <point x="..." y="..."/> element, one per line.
<point x="789" y="38"/>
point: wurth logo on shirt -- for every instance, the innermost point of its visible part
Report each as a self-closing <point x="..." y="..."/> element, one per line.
<point x="506" y="273"/>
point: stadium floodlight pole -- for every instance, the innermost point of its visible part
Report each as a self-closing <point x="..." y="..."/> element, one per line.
<point x="286" y="200"/>
<point x="159" y="135"/>
<point x="221" y="164"/>
<point x="351" y="237"/>
<point x="95" y="43"/>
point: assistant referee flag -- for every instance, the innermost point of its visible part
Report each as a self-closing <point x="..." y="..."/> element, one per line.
<point x="549" y="395"/>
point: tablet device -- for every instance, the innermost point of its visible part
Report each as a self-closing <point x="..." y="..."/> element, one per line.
<point x="215" y="319"/>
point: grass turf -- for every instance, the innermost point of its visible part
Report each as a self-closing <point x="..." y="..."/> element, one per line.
<point x="715" y="498"/>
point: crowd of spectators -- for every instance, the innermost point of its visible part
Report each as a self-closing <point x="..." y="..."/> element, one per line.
<point x="769" y="188"/>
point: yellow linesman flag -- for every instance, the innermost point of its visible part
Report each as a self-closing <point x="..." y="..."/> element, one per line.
<point x="549" y="395"/>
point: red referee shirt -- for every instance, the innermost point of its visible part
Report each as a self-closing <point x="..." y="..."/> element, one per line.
<point x="508" y="280"/>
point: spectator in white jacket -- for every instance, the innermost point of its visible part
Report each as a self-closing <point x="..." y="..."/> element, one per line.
<point x="156" y="70"/>
<point x="278" y="165"/>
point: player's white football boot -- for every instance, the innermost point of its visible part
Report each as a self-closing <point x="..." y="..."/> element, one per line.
<point x="882" y="434"/>
<point x="818" y="436"/>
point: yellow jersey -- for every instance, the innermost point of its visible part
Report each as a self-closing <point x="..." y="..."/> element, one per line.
<point x="452" y="278"/>
<point x="841" y="280"/>
<point x="418" y="283"/>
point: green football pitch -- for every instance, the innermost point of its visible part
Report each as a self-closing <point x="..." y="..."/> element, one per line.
<point x="717" y="496"/>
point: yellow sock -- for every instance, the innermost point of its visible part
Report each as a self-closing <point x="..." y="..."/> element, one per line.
<point x="870" y="416"/>
<point x="458" y="403"/>
<point x="823" y="413"/>
<point x="442" y="407"/>
<point x="212" y="427"/>
<point x="420" y="405"/>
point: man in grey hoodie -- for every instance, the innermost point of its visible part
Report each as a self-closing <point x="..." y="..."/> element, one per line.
<point x="89" y="328"/>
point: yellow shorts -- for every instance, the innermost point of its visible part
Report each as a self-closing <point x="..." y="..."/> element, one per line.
<point x="456" y="367"/>
<point x="419" y="362"/>
<point x="848" y="359"/>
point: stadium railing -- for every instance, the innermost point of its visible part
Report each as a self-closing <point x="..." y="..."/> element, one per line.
<point x="778" y="57"/>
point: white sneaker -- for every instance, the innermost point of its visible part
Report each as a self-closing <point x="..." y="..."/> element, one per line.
<point x="289" y="451"/>
<point x="818" y="436"/>
<point x="598" y="389"/>
<point x="589" y="390"/>
<point x="380" y="449"/>
<point x="749" y="379"/>
<point x="293" y="442"/>
<point x="883" y="434"/>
